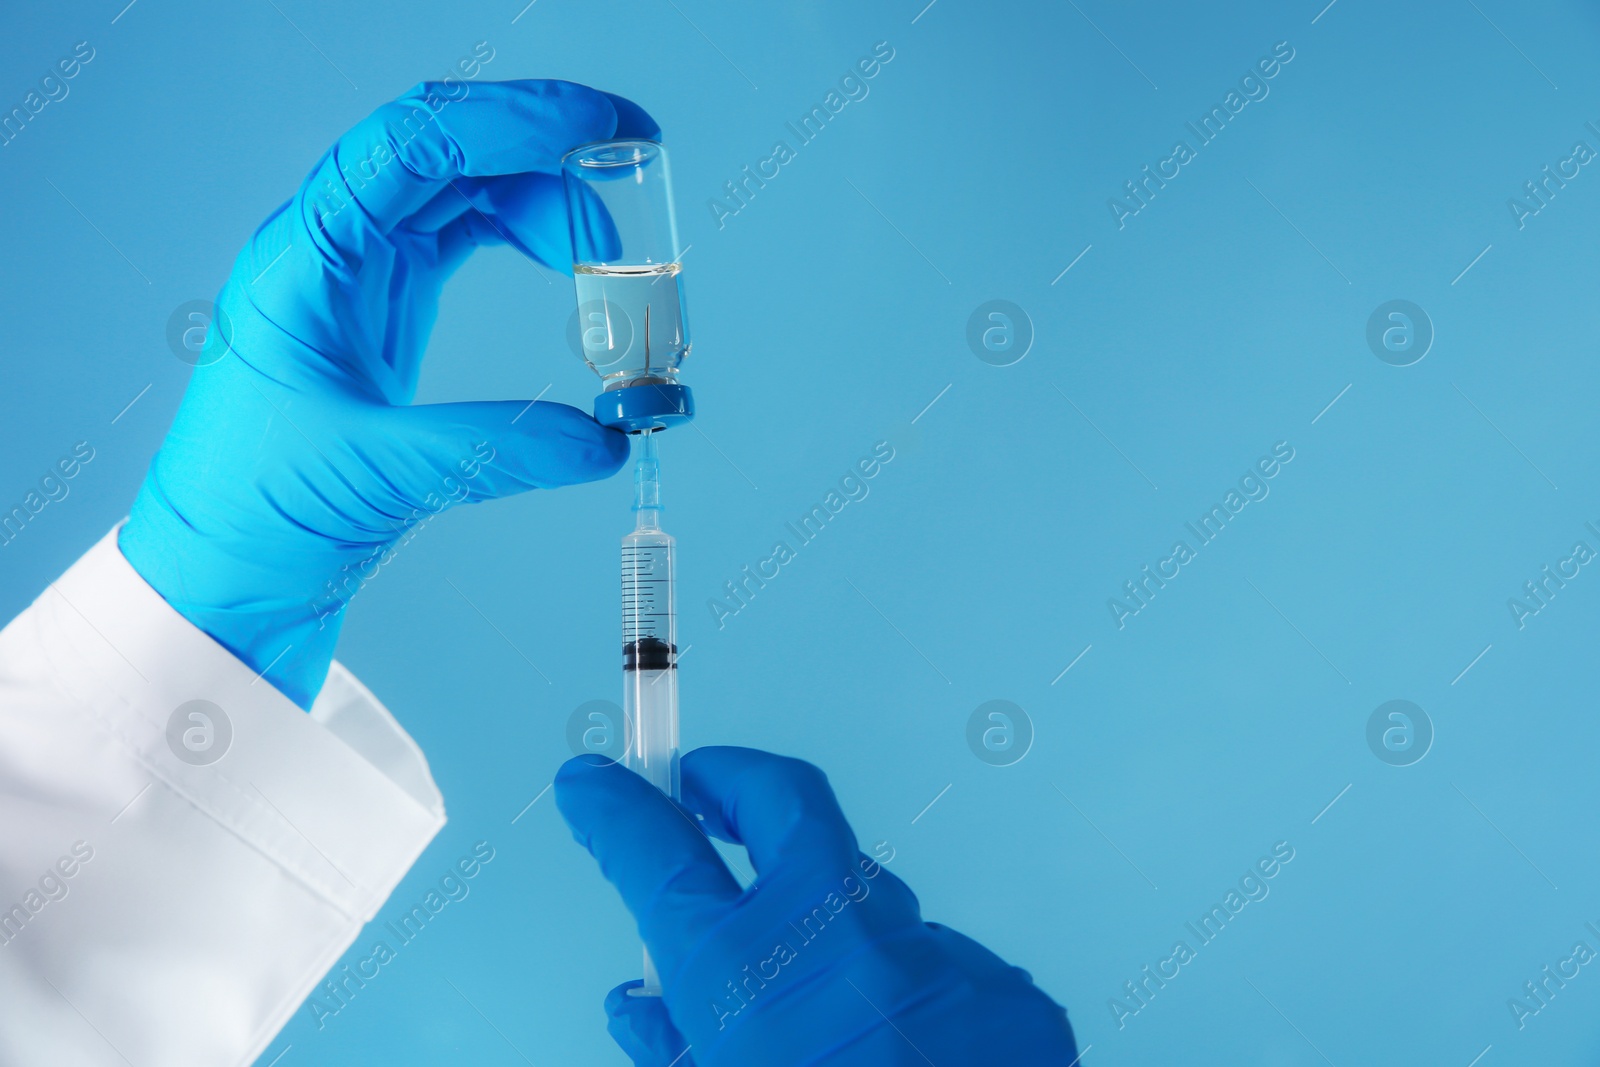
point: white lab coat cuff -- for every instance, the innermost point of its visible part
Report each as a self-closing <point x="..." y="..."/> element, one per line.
<point x="171" y="899"/>
<point x="341" y="798"/>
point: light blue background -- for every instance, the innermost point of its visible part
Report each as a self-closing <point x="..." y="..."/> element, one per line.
<point x="1176" y="751"/>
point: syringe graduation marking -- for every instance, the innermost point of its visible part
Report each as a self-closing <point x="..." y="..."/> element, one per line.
<point x="647" y="622"/>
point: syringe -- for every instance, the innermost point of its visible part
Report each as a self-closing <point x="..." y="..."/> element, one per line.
<point x="649" y="645"/>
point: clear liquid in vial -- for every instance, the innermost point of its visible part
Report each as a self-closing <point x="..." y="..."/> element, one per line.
<point x="632" y="321"/>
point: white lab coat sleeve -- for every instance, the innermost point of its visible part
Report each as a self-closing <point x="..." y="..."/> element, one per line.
<point x="161" y="906"/>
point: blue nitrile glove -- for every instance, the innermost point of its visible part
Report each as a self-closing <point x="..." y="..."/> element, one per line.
<point x="825" y="959"/>
<point x="295" y="462"/>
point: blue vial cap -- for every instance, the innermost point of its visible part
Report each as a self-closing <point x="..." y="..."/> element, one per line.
<point x="637" y="408"/>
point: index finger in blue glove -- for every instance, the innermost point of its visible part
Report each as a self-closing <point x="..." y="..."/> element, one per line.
<point x="633" y="120"/>
<point x="782" y="810"/>
<point x="527" y="211"/>
<point x="669" y="874"/>
<point x="395" y="161"/>
<point x="642" y="1028"/>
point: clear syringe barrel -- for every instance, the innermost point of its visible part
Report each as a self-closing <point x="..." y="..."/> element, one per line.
<point x="649" y="658"/>
<point x="650" y="646"/>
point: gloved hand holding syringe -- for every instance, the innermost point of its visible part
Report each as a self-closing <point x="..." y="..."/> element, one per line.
<point x="820" y="1003"/>
<point x="634" y="333"/>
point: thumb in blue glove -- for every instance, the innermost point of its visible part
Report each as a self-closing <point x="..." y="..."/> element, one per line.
<point x="296" y="461"/>
<point x="825" y="959"/>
